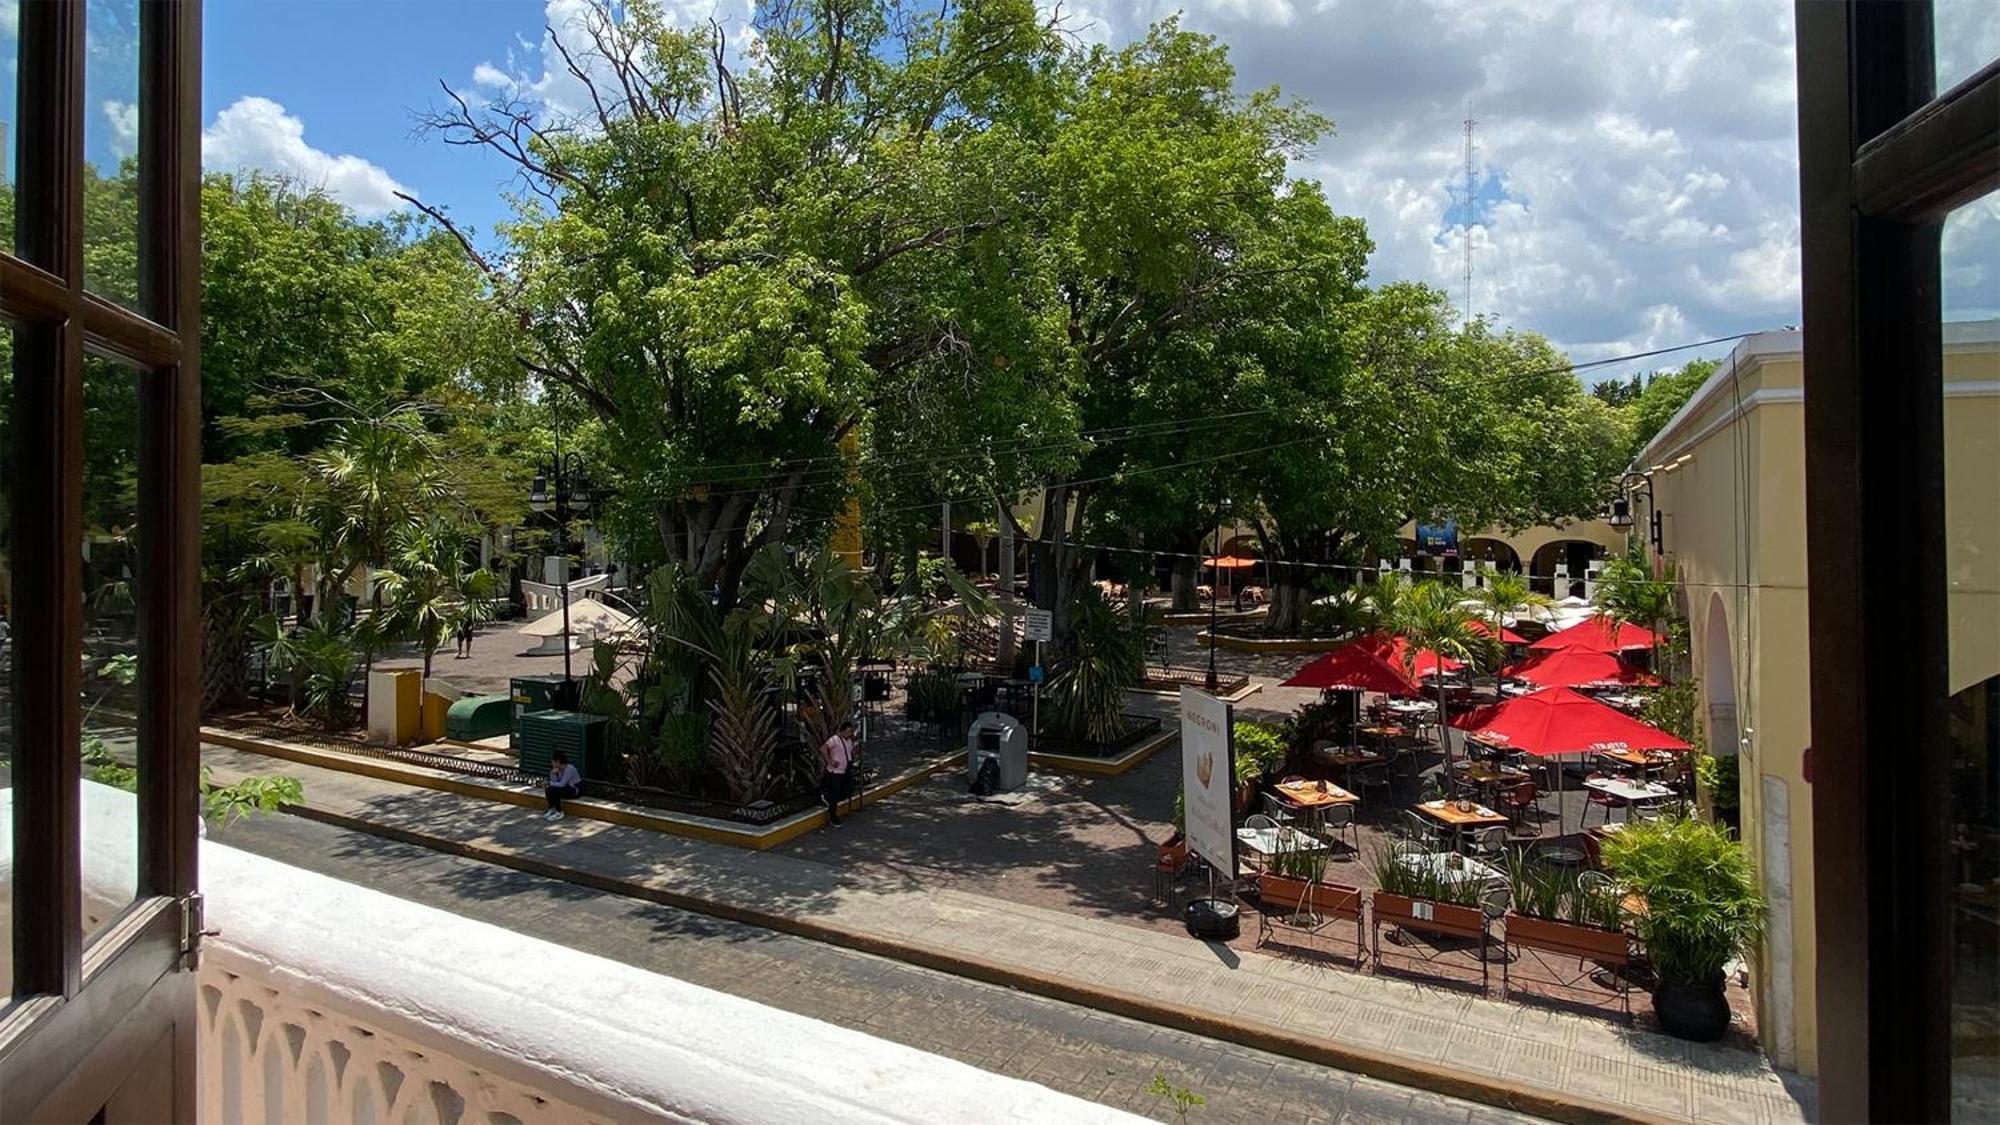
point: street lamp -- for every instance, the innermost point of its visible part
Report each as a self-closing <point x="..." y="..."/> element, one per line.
<point x="1214" y="580"/>
<point x="563" y="489"/>
<point x="1620" y="515"/>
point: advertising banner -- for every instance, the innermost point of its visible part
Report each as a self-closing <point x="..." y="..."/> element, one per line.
<point x="1208" y="778"/>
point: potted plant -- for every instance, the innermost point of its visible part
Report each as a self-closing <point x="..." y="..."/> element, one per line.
<point x="1423" y="898"/>
<point x="1703" y="909"/>
<point x="1552" y="910"/>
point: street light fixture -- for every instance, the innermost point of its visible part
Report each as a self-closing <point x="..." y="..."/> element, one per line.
<point x="1620" y="514"/>
<point x="562" y="488"/>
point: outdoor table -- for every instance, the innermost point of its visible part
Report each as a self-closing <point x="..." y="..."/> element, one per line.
<point x="1385" y="731"/>
<point x="1623" y="702"/>
<point x="1488" y="774"/>
<point x="1411" y="707"/>
<point x="1348" y="758"/>
<point x="1638" y="759"/>
<point x="1439" y="865"/>
<point x="1451" y="816"/>
<point x="1280" y="841"/>
<point x="1631" y="792"/>
<point x="1314" y="794"/>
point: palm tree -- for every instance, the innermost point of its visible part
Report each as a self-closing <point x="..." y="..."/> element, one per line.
<point x="1431" y="615"/>
<point x="427" y="593"/>
<point x="1628" y="593"/>
<point x="1506" y="594"/>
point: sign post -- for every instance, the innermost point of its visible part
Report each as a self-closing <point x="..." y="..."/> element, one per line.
<point x="1208" y="782"/>
<point x="1037" y="625"/>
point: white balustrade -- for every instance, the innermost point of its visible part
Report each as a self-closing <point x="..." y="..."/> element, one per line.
<point x="322" y="1001"/>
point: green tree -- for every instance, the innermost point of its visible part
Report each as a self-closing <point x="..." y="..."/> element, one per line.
<point x="1666" y="392"/>
<point x="1432" y="616"/>
<point x="429" y="591"/>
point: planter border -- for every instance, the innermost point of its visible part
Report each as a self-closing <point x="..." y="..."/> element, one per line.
<point x="1591" y="944"/>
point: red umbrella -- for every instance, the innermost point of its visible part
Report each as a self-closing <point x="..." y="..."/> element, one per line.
<point x="1394" y="650"/>
<point x="1556" y="721"/>
<point x="1507" y="636"/>
<point x="1355" y="666"/>
<point x="1577" y="667"/>
<point x="1600" y="633"/>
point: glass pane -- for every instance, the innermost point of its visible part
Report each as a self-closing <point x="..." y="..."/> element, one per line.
<point x="110" y="641"/>
<point x="10" y="94"/>
<point x="111" y="149"/>
<point x="1968" y="37"/>
<point x="1971" y="292"/>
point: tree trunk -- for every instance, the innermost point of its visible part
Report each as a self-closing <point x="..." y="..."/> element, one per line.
<point x="1288" y="600"/>
<point x="1185" y="579"/>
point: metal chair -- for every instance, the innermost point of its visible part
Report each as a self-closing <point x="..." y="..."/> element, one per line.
<point x="1339" y="822"/>
<point x="1519" y="800"/>
<point x="1373" y="776"/>
<point x="1488" y="842"/>
<point x="1259" y="820"/>
<point x="1594" y="882"/>
<point x="1420" y="829"/>
<point x="1277" y="809"/>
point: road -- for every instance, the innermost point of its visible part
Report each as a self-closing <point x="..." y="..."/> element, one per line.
<point x="1066" y="1047"/>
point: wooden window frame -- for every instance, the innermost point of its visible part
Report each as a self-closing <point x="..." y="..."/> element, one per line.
<point x="1882" y="160"/>
<point x="56" y="322"/>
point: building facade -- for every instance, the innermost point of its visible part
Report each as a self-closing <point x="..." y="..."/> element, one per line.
<point x="1727" y="474"/>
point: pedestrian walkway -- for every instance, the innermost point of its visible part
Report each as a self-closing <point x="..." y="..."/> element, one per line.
<point x="1531" y="1059"/>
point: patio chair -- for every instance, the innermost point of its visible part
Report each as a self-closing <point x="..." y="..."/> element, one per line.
<point x="1340" y="823"/>
<point x="1277" y="809"/>
<point x="1600" y="800"/>
<point x="1420" y="829"/>
<point x="1489" y="842"/>
<point x="1594" y="882"/>
<point x="1649" y="811"/>
<point x="1259" y="820"/>
<point x="1518" y="800"/>
<point x="1372" y="776"/>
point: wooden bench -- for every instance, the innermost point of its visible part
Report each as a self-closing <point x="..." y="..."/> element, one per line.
<point x="1308" y="907"/>
<point x="1607" y="949"/>
<point x="1439" y="919"/>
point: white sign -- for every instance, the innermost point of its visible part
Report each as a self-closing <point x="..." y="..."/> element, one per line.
<point x="1039" y="625"/>
<point x="1208" y="778"/>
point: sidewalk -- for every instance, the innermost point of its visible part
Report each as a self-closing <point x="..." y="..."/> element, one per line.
<point x="1530" y="1059"/>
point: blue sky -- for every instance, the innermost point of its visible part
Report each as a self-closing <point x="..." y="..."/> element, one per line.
<point x="1637" y="161"/>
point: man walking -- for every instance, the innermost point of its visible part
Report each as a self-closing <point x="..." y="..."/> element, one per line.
<point x="836" y="757"/>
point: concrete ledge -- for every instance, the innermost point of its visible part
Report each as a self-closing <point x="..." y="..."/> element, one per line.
<point x="1269" y="644"/>
<point x="711" y="829"/>
<point x="1440" y="1077"/>
<point x="1077" y="763"/>
<point x="1202" y="616"/>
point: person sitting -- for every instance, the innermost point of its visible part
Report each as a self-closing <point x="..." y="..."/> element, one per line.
<point x="564" y="783"/>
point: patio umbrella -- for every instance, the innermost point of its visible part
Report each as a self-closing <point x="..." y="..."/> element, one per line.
<point x="1600" y="633"/>
<point x="1507" y="636"/>
<point x="1576" y="666"/>
<point x="1556" y="721"/>
<point x="1394" y="651"/>
<point x="1229" y="562"/>
<point x="1356" y="666"/>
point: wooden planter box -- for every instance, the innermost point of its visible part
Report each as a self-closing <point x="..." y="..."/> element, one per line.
<point x="1443" y="919"/>
<point x="1607" y="949"/>
<point x="1306" y="905"/>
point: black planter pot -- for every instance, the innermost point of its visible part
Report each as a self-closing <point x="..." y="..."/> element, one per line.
<point x="1696" y="1010"/>
<point x="1212" y="919"/>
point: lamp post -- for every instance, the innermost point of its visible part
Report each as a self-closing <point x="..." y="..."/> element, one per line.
<point x="562" y="489"/>
<point x="1620" y="515"/>
<point x="1214" y="580"/>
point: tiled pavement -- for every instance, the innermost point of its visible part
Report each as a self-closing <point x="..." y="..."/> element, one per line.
<point x="1638" y="1073"/>
<point x="1067" y="1047"/>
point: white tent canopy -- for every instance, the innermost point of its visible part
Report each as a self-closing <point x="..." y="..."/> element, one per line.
<point x="589" y="621"/>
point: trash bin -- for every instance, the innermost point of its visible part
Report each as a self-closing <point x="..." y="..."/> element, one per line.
<point x="997" y="735"/>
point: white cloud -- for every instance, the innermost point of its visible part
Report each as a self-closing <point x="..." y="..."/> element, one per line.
<point x="123" y="117"/>
<point x="257" y="133"/>
<point x="534" y="70"/>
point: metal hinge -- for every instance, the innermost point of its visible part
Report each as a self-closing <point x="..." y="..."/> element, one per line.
<point x="192" y="931"/>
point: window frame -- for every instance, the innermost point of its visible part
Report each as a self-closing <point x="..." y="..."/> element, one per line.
<point x="1882" y="160"/>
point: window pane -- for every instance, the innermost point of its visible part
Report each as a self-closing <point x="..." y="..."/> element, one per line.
<point x="110" y="641"/>
<point x="10" y="94"/>
<point x="1968" y="37"/>
<point x="1971" y="293"/>
<point x="111" y="149"/>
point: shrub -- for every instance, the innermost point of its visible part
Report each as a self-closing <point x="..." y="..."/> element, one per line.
<point x="1719" y="774"/>
<point x="1419" y="881"/>
<point x="1703" y="906"/>
<point x="1260" y="748"/>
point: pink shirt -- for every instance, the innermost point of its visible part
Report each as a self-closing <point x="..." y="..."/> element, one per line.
<point x="837" y="753"/>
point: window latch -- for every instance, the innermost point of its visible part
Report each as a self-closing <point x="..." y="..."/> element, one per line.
<point x="192" y="931"/>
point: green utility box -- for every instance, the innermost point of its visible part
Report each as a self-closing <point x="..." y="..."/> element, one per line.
<point x="530" y="694"/>
<point x="479" y="716"/>
<point x="582" y="737"/>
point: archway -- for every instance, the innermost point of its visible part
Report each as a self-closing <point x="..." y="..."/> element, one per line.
<point x="1718" y="680"/>
<point x="1574" y="555"/>
<point x="1497" y="552"/>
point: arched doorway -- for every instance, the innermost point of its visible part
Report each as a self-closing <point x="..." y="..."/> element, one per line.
<point x="1494" y="552"/>
<point x="1574" y="555"/>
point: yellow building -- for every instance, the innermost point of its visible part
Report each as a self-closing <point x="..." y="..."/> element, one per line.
<point x="1728" y="475"/>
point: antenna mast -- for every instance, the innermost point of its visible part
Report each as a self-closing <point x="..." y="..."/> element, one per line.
<point x="1471" y="187"/>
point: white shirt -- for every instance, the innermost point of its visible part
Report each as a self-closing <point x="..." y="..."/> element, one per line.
<point x="567" y="775"/>
<point x="836" y="753"/>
